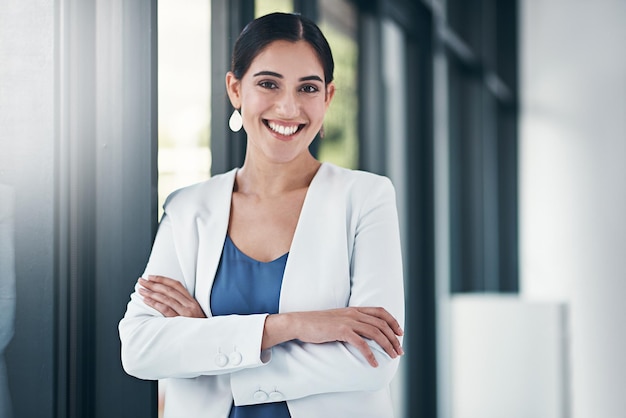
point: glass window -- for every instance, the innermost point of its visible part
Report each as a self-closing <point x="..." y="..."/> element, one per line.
<point x="483" y="150"/>
<point x="465" y="18"/>
<point x="263" y="7"/>
<point x="184" y="37"/>
<point x="340" y="142"/>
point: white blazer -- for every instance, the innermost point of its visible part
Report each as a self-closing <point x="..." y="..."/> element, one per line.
<point x="345" y="252"/>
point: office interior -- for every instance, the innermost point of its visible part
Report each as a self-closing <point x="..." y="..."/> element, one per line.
<point x="502" y="125"/>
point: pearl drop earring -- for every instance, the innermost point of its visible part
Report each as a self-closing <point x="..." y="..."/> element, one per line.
<point x="235" y="122"/>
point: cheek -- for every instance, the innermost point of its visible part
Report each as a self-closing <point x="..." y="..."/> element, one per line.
<point x="319" y="110"/>
<point x="253" y="104"/>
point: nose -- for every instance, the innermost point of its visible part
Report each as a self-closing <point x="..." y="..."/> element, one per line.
<point x="287" y="105"/>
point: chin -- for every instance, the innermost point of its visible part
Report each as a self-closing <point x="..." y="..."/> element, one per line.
<point x="286" y="157"/>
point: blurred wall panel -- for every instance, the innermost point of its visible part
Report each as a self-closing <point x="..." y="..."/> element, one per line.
<point x="573" y="185"/>
<point x="509" y="358"/>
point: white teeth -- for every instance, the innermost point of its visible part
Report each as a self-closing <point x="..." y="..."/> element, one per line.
<point x="283" y="130"/>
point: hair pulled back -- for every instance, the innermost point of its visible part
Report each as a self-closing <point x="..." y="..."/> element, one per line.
<point x="264" y="30"/>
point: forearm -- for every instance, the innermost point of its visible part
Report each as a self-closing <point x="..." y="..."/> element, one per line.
<point x="300" y="369"/>
<point x="352" y="325"/>
<point x="278" y="329"/>
<point x="154" y="347"/>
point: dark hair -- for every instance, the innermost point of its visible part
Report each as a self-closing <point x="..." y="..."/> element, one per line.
<point x="279" y="26"/>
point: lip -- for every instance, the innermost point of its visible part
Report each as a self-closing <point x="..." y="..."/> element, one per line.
<point x="288" y="129"/>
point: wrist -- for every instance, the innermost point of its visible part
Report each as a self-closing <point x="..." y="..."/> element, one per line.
<point x="277" y="330"/>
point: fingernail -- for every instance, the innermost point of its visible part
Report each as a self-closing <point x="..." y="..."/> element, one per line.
<point x="401" y="351"/>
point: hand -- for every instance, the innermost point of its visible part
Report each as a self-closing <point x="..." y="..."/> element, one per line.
<point x="351" y="325"/>
<point x="169" y="297"/>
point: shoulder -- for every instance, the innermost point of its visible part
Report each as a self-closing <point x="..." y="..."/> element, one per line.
<point x="201" y="196"/>
<point x="356" y="182"/>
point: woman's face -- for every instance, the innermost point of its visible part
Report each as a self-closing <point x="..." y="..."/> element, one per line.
<point x="283" y="99"/>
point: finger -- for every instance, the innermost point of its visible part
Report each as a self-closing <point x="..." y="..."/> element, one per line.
<point x="386" y="338"/>
<point x="165" y="282"/>
<point x="376" y="335"/>
<point x="370" y="327"/>
<point x="359" y="343"/>
<point x="172" y="288"/>
<point x="165" y="310"/>
<point x="165" y="303"/>
<point x="383" y="314"/>
<point x="379" y="319"/>
<point x="174" y="294"/>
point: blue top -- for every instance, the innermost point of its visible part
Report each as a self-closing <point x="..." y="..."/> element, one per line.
<point x="246" y="286"/>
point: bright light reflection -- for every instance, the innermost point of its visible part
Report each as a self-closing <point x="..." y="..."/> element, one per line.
<point x="184" y="94"/>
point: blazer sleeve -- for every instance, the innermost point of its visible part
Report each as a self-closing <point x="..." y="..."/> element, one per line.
<point x="155" y="347"/>
<point x="300" y="369"/>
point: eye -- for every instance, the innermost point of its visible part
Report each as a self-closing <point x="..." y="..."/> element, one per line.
<point x="309" y="88"/>
<point x="266" y="84"/>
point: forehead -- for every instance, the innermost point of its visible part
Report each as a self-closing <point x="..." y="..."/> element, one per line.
<point x="284" y="57"/>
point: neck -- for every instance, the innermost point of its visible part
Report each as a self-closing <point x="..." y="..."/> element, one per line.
<point x="267" y="179"/>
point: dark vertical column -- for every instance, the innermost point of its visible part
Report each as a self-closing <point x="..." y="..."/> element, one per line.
<point x="507" y="69"/>
<point x="228" y="18"/>
<point x="307" y="8"/>
<point x="371" y="93"/>
<point x="421" y="332"/>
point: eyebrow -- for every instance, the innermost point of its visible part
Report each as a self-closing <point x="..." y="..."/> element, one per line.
<point x="273" y="74"/>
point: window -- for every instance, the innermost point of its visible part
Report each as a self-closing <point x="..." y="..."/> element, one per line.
<point x="340" y="142"/>
<point x="263" y="7"/>
<point x="184" y="39"/>
<point x="480" y="41"/>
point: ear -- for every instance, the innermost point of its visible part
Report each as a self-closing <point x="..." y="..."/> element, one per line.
<point x="330" y="93"/>
<point x="233" y="88"/>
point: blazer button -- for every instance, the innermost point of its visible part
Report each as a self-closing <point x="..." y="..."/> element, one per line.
<point x="221" y="360"/>
<point x="260" y="396"/>
<point x="235" y="358"/>
<point x="276" y="396"/>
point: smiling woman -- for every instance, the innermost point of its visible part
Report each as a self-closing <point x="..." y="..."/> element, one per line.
<point x="283" y="93"/>
<point x="275" y="289"/>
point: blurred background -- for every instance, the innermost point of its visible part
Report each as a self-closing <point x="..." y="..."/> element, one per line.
<point x="501" y="123"/>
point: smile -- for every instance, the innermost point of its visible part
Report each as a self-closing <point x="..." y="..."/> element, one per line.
<point x="282" y="129"/>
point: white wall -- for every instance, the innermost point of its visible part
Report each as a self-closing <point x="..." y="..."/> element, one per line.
<point x="573" y="185"/>
<point x="504" y="345"/>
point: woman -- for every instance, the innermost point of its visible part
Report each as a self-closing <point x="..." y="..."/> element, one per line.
<point x="273" y="290"/>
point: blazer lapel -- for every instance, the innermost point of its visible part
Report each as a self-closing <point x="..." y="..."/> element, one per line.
<point x="212" y="226"/>
<point x="317" y="271"/>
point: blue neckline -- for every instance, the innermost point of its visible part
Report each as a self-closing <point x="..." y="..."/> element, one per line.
<point x="230" y="241"/>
